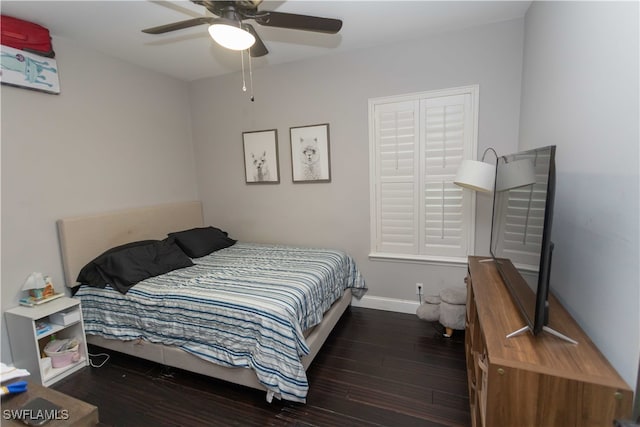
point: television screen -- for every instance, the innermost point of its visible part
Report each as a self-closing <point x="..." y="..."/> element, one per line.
<point x="521" y="229"/>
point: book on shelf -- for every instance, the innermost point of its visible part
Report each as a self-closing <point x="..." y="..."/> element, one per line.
<point x="42" y="327"/>
<point x="32" y="302"/>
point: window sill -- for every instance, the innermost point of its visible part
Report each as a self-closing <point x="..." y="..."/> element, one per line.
<point x="420" y="259"/>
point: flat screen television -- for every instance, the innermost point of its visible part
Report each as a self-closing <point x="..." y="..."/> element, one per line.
<point x="521" y="232"/>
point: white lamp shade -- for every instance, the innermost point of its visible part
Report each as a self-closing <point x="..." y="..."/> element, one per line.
<point x="517" y="173"/>
<point x="231" y="36"/>
<point x="34" y="281"/>
<point x="475" y="175"/>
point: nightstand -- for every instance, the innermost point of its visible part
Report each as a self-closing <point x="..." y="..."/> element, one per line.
<point x="64" y="317"/>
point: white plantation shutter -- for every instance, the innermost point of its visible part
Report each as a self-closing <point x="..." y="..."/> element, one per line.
<point x="417" y="145"/>
<point x="396" y="160"/>
<point x="447" y="132"/>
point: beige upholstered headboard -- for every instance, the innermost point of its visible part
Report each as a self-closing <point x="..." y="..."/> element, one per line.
<point x="83" y="238"/>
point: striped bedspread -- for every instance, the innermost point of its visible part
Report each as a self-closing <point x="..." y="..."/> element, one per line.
<point x="243" y="306"/>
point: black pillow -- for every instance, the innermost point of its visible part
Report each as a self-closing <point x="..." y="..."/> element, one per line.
<point x="124" y="268"/>
<point x="89" y="275"/>
<point x="198" y="242"/>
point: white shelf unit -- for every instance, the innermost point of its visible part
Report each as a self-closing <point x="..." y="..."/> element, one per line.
<point x="27" y="346"/>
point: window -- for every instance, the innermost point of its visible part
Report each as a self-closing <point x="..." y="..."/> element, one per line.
<point x="417" y="142"/>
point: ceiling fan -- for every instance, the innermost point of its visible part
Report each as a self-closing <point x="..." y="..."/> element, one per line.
<point x="229" y="17"/>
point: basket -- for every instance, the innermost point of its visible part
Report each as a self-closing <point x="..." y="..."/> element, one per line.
<point x="62" y="352"/>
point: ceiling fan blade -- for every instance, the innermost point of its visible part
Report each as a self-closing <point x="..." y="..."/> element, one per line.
<point x="258" y="49"/>
<point x="216" y="6"/>
<point x="179" y="25"/>
<point x="299" y="22"/>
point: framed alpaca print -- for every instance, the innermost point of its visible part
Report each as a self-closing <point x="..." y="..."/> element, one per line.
<point x="310" y="159"/>
<point x="261" y="157"/>
<point x="23" y="69"/>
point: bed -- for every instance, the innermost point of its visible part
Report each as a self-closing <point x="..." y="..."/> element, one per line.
<point x="241" y="314"/>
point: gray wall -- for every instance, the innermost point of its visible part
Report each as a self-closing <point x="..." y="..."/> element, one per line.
<point x="117" y="136"/>
<point x="335" y="90"/>
<point x="580" y="92"/>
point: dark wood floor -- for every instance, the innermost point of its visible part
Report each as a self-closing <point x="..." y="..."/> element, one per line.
<point x="376" y="368"/>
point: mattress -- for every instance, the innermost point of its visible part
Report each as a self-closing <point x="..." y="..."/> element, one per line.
<point x="243" y="306"/>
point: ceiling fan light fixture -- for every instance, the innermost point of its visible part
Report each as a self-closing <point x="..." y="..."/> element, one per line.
<point x="228" y="33"/>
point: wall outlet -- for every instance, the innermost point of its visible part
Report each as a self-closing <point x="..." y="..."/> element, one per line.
<point x="419" y="288"/>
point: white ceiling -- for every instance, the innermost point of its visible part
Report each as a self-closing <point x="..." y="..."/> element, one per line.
<point x="113" y="28"/>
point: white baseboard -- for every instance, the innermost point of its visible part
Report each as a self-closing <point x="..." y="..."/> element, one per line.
<point x="387" y="304"/>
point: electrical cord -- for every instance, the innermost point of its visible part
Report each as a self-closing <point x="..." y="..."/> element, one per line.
<point x="100" y="365"/>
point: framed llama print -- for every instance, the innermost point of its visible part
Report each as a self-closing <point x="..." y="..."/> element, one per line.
<point x="27" y="70"/>
<point x="261" y="157"/>
<point x="310" y="160"/>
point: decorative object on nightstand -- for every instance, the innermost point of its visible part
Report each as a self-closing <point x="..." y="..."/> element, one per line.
<point x="64" y="316"/>
<point x="40" y="290"/>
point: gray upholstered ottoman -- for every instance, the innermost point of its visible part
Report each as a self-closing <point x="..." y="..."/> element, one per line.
<point x="453" y="309"/>
<point x="449" y="308"/>
<point x="429" y="310"/>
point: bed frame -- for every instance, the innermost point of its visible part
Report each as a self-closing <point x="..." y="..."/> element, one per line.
<point x="83" y="238"/>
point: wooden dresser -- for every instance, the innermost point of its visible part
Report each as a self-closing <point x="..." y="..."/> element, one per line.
<point x="533" y="381"/>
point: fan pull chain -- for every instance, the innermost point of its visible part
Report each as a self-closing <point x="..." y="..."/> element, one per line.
<point x="244" y="84"/>
<point x="251" y="76"/>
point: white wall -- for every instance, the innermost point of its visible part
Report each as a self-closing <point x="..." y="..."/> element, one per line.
<point x="117" y="136"/>
<point x="580" y="92"/>
<point x="335" y="89"/>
